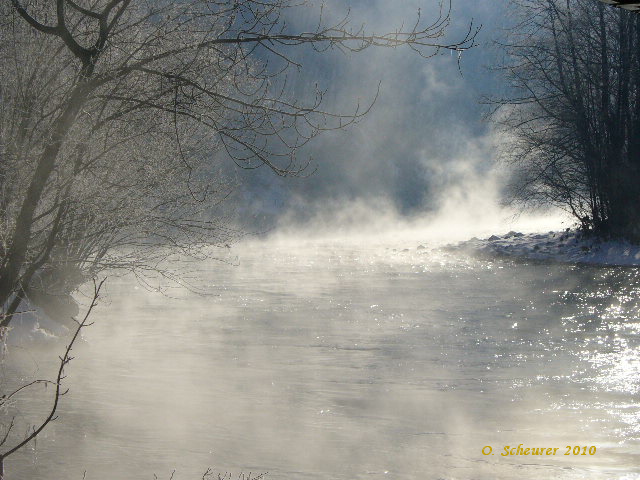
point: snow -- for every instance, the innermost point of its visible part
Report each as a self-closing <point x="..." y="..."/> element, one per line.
<point x="33" y="326"/>
<point x="566" y="247"/>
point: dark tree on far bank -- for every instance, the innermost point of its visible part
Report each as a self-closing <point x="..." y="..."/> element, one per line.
<point x="571" y="119"/>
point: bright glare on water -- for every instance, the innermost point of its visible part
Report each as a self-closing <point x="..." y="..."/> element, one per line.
<point x="338" y="362"/>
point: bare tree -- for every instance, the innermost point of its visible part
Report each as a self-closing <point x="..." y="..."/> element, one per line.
<point x="573" y="118"/>
<point x="7" y="399"/>
<point x="116" y="113"/>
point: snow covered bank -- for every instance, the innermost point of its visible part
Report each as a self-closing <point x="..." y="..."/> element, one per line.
<point x="33" y="326"/>
<point x="566" y="247"/>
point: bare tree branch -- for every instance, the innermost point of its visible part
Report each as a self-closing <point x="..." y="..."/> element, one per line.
<point x="58" y="393"/>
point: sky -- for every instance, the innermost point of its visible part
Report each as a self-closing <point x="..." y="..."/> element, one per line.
<point x="424" y="147"/>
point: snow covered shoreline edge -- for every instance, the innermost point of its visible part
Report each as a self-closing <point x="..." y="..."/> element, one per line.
<point x="564" y="247"/>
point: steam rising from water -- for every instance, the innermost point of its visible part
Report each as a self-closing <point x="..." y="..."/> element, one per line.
<point x="422" y="164"/>
<point x="468" y="204"/>
<point x="423" y="147"/>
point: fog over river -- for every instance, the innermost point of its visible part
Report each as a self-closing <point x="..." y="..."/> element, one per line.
<point x="335" y="361"/>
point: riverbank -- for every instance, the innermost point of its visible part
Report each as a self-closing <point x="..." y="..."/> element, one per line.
<point x="565" y="246"/>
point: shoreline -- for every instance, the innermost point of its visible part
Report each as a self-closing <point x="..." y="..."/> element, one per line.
<point x="567" y="246"/>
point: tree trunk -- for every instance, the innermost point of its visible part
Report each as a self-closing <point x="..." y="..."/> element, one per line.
<point x="624" y="220"/>
<point x="10" y="272"/>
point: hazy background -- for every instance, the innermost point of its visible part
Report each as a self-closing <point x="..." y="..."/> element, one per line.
<point x="423" y="150"/>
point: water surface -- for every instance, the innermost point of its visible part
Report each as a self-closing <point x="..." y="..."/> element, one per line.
<point x="330" y="361"/>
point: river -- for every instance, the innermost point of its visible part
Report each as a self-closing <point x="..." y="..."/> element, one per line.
<point x="343" y="362"/>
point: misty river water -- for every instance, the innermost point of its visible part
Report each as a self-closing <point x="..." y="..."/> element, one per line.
<point x="332" y="361"/>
